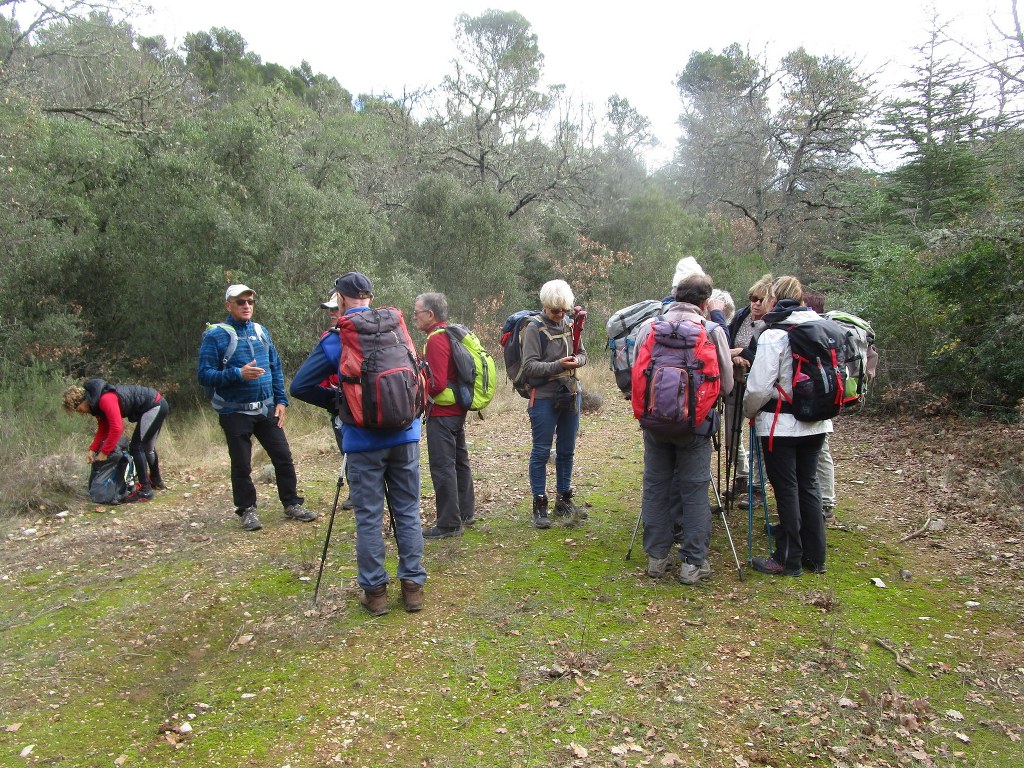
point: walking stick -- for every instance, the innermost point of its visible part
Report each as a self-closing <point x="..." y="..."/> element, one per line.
<point x="725" y="524"/>
<point x="755" y="451"/>
<point x="636" y="530"/>
<point x="330" y="526"/>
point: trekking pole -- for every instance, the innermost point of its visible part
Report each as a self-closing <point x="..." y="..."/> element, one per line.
<point x="755" y="451"/>
<point x="330" y="525"/>
<point x="725" y="524"/>
<point x="734" y="430"/>
<point x="636" y="529"/>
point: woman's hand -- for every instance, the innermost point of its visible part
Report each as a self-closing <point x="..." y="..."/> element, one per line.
<point x="90" y="457"/>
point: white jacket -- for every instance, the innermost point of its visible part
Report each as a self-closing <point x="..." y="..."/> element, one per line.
<point x="773" y="364"/>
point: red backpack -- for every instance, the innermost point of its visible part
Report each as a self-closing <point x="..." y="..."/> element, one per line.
<point x="676" y="379"/>
<point x="379" y="372"/>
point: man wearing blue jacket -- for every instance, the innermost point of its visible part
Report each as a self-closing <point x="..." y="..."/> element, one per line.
<point x="240" y="366"/>
<point x="382" y="465"/>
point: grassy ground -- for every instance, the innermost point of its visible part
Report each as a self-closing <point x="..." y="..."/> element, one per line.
<point x="162" y="634"/>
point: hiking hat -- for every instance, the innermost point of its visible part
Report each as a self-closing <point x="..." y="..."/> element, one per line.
<point x="332" y="302"/>
<point x="355" y="285"/>
<point x="236" y="290"/>
<point x="685" y="268"/>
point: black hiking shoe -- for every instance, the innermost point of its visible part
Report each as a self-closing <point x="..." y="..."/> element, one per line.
<point x="441" y="533"/>
<point x="565" y="508"/>
<point x="774" y="568"/>
<point x="250" y="522"/>
<point x="540" y="512"/>
<point x="300" y="513"/>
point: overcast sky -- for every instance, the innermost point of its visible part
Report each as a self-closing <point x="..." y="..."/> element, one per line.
<point x="596" y="49"/>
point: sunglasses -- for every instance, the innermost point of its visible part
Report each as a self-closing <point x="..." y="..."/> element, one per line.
<point x="243" y="302"/>
<point x="755" y="299"/>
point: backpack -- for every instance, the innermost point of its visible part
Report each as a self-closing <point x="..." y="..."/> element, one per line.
<point x="820" y="350"/>
<point x="861" y="336"/>
<point x="115" y="480"/>
<point x="210" y="392"/>
<point x="623" y="328"/>
<point x="676" y="379"/>
<point x="512" y="345"/>
<point x="380" y="375"/>
<point x="475" y="370"/>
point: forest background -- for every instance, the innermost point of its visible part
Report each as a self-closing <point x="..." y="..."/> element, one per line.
<point x="140" y="179"/>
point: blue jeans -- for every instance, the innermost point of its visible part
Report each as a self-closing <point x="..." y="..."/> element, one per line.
<point x="547" y="422"/>
<point x="675" y="495"/>
<point x="393" y="473"/>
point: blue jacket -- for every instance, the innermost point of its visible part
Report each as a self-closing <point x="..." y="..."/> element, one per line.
<point x="308" y="386"/>
<point x="227" y="379"/>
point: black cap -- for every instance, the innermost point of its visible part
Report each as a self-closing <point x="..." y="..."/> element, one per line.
<point x="355" y="285"/>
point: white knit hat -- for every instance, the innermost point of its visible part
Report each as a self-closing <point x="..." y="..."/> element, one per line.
<point x="686" y="267"/>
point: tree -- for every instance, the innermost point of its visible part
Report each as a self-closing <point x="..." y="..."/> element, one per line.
<point x="934" y="128"/>
<point x="778" y="169"/>
<point x="496" y="113"/>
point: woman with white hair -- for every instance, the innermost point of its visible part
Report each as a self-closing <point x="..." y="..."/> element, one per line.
<point x="549" y="365"/>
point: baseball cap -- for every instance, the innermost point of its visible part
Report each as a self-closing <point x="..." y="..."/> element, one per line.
<point x="332" y="302"/>
<point x="355" y="285"/>
<point x="236" y="290"/>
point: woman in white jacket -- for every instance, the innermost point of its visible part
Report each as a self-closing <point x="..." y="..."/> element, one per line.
<point x="790" y="447"/>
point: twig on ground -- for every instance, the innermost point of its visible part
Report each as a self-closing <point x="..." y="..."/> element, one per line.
<point x="899" y="659"/>
<point x="919" y="532"/>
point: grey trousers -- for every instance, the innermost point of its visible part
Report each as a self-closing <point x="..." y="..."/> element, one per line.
<point x="449" y="470"/>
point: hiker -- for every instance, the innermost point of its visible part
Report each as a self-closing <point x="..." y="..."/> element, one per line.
<point x="241" y="370"/>
<point x="677" y="456"/>
<point x="333" y="313"/>
<point x="741" y="333"/>
<point x="446" y="423"/>
<point x="549" y="364"/>
<point x="790" y="447"/>
<point x="826" y="466"/>
<point x="110" y="404"/>
<point x="383" y="464"/>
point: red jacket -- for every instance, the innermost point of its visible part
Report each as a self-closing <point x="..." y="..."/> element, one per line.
<point x="438" y="354"/>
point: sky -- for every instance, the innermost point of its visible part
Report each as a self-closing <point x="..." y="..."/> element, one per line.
<point x="634" y="49"/>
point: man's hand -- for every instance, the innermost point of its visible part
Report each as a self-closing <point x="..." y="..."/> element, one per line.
<point x="279" y="415"/>
<point x="251" y="371"/>
<point x="569" y="363"/>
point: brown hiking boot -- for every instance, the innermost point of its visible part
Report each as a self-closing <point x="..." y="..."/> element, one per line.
<point x="375" y="600"/>
<point x="412" y="596"/>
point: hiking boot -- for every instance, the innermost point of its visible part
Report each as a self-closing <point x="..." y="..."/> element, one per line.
<point x="540" y="512"/>
<point x="249" y="520"/>
<point x="299" y="512"/>
<point x="375" y="600"/>
<point x="744" y="502"/>
<point x="565" y="508"/>
<point x="441" y="533"/>
<point x="813" y="567"/>
<point x="691" y="574"/>
<point x="828" y="511"/>
<point x="412" y="596"/>
<point x="470" y="521"/>
<point x="348" y="504"/>
<point x="658" y="566"/>
<point x="158" y="485"/>
<point x="773" y="568"/>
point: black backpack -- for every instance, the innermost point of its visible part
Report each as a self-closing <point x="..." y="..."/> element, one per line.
<point x="113" y="481"/>
<point x="820" y="353"/>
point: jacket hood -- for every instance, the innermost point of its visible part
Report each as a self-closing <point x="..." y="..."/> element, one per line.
<point x="783" y="310"/>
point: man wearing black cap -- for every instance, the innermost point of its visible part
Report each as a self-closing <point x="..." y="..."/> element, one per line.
<point x="382" y="464"/>
<point x="239" y="364"/>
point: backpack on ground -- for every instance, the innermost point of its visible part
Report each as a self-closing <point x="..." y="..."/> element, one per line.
<point x="475" y="370"/>
<point x="676" y="379"/>
<point x="209" y="391"/>
<point x="623" y="328"/>
<point x="115" y="480"/>
<point x="379" y="373"/>
<point x="861" y="337"/>
<point x="820" y="350"/>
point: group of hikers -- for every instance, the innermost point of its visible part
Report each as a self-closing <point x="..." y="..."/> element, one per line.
<point x="379" y="390"/>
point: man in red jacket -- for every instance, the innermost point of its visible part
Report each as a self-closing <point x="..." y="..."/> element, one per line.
<point x="446" y="424"/>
